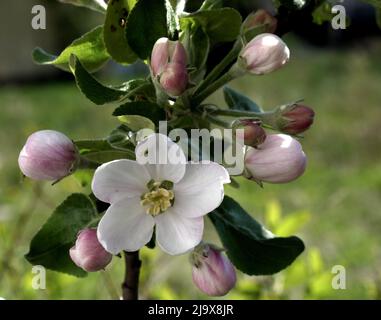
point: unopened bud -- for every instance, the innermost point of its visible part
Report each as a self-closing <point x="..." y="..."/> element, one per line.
<point x="169" y="66"/>
<point x="280" y="159"/>
<point x="259" y="18"/>
<point x="296" y="119"/>
<point x="264" y="54"/>
<point x="88" y="253"/>
<point x="48" y="155"/>
<point x="212" y="271"/>
<point x="253" y="133"/>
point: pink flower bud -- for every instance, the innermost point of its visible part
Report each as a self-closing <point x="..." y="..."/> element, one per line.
<point x="264" y="54"/>
<point x="260" y="17"/>
<point x="297" y="119"/>
<point x="279" y="159"/>
<point x="48" y="155"/>
<point x="212" y="272"/>
<point x="168" y="64"/>
<point x="253" y="133"/>
<point x="174" y="79"/>
<point x="88" y="253"/>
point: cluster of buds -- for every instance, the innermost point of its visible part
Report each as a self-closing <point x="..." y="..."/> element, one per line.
<point x="88" y="253"/>
<point x="212" y="271"/>
<point x="169" y="66"/>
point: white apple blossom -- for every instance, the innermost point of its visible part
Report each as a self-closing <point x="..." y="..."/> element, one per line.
<point x="160" y="189"/>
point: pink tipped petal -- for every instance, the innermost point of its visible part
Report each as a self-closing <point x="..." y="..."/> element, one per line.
<point x="47" y="155"/>
<point x="125" y="226"/>
<point x="159" y="56"/>
<point x="88" y="253"/>
<point x="201" y="190"/>
<point x="119" y="179"/>
<point x="163" y="158"/>
<point x="280" y="159"/>
<point x="176" y="234"/>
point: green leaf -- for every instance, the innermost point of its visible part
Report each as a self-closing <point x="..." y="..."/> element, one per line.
<point x="378" y="17"/>
<point x="96" y="5"/>
<point x="89" y="48"/>
<point x="115" y="31"/>
<point x="146" y="23"/>
<point x="101" y="151"/>
<point x="122" y="138"/>
<point x="101" y="94"/>
<point x="221" y="25"/>
<point x="198" y="50"/>
<point x="249" y="245"/>
<point x="50" y="246"/>
<point x="136" y="122"/>
<point x="149" y="110"/>
<point x="323" y="13"/>
<point x="90" y="87"/>
<point x="238" y="101"/>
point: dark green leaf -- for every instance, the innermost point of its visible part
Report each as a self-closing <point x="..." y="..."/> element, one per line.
<point x="238" y="101"/>
<point x="50" y="246"/>
<point x="90" y="87"/>
<point x="122" y="138"/>
<point x="115" y="31"/>
<point x="249" y="245"/>
<point x="89" y="48"/>
<point x="378" y="17"/>
<point x="221" y="25"/>
<point x="96" y="5"/>
<point x="101" y="94"/>
<point x="149" y="110"/>
<point x="146" y="23"/>
<point x="100" y="151"/>
<point x="198" y="50"/>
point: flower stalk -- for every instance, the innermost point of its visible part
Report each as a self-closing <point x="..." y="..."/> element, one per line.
<point x="130" y="285"/>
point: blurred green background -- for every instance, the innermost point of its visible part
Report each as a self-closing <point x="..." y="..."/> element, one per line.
<point x="334" y="207"/>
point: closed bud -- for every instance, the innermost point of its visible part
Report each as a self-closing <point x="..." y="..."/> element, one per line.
<point x="88" y="253"/>
<point x="253" y="134"/>
<point x="296" y="119"/>
<point x="48" y="155"/>
<point x="259" y="18"/>
<point x="280" y="159"/>
<point x="212" y="271"/>
<point x="169" y="66"/>
<point x="264" y="54"/>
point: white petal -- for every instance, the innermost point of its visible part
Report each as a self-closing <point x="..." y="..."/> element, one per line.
<point x="163" y="158"/>
<point x="125" y="226"/>
<point x="119" y="179"/>
<point x="201" y="190"/>
<point x="176" y="234"/>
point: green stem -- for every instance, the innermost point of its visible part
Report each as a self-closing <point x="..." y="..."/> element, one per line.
<point x="212" y="88"/>
<point x="218" y="69"/>
<point x="266" y="117"/>
<point x="218" y="122"/>
<point x="87" y="164"/>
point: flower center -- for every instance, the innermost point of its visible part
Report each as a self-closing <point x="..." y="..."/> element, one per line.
<point x="159" y="198"/>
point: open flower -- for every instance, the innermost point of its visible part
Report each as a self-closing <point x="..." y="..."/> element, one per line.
<point x="159" y="189"/>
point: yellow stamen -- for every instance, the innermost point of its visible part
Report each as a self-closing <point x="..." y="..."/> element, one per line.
<point x="157" y="201"/>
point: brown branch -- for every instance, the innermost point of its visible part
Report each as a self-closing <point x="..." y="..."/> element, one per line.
<point x="130" y="284"/>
